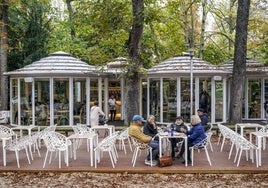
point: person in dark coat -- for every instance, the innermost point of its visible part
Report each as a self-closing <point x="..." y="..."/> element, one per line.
<point x="176" y="127"/>
<point x="204" y="119"/>
<point x="195" y="135"/>
<point x="150" y="128"/>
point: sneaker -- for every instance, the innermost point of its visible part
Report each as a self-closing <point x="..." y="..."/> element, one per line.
<point x="148" y="162"/>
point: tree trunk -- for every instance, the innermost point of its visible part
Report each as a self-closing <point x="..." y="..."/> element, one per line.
<point x="132" y="79"/>
<point x="71" y="15"/>
<point x="203" y="27"/>
<point x="3" y="53"/>
<point x="239" y="67"/>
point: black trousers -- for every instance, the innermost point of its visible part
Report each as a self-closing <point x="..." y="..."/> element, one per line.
<point x="113" y="114"/>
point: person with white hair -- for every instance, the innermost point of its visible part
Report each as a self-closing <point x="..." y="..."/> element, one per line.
<point x="195" y="135"/>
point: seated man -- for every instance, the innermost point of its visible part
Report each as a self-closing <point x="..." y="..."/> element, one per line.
<point x="177" y="128"/>
<point x="136" y="132"/>
<point x="204" y="119"/>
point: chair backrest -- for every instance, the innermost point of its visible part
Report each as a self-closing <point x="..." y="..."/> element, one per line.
<point x="202" y="144"/>
<point x="123" y="134"/>
<point x="140" y="145"/>
<point x="47" y="130"/>
<point x="81" y="129"/>
<point x="6" y="130"/>
<point x="55" y="140"/>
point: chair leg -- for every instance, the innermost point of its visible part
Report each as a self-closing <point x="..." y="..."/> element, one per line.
<point x="17" y="157"/>
<point x="192" y="155"/>
<point x="208" y="158"/>
<point x="240" y="153"/>
<point x="27" y="154"/>
<point x="111" y="158"/>
<point x="129" y="142"/>
<point x="59" y="159"/>
<point x="151" y="157"/>
<point x="45" y="159"/>
<point x="135" y="156"/>
<point x="222" y="144"/>
<point x="219" y="139"/>
<point x="231" y="150"/>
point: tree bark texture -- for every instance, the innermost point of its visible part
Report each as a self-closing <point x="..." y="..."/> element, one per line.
<point x="239" y="67"/>
<point x="132" y="79"/>
<point x="3" y="53"/>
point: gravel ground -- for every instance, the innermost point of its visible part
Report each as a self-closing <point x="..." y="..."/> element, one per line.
<point x="92" y="180"/>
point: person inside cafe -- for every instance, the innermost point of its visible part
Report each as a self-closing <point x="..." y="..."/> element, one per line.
<point x="95" y="112"/>
<point x="176" y="127"/>
<point x="112" y="107"/>
<point x="195" y="135"/>
<point x="204" y="119"/>
<point x="40" y="111"/>
<point x="135" y="130"/>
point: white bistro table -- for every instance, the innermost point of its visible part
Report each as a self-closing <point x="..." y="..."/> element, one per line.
<point x="247" y="125"/>
<point x="166" y="135"/>
<point x="92" y="139"/>
<point x="260" y="136"/>
<point x="4" y="138"/>
<point x="24" y="127"/>
<point x="110" y="128"/>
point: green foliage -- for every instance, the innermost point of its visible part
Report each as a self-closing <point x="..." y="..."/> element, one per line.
<point x="102" y="31"/>
<point x="214" y="54"/>
<point x="28" y="30"/>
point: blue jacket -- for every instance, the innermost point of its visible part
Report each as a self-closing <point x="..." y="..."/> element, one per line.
<point x="196" y="134"/>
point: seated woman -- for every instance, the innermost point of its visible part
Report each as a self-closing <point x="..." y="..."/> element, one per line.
<point x="195" y="135"/>
<point x="150" y="129"/>
<point x="177" y="128"/>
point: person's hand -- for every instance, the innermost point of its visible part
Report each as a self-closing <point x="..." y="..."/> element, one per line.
<point x="183" y="130"/>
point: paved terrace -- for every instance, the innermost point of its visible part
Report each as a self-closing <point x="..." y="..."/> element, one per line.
<point x="220" y="163"/>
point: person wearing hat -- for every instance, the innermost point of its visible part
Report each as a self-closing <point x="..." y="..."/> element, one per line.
<point x="176" y="127"/>
<point x="195" y="135"/>
<point x="135" y="130"/>
<point x="204" y="119"/>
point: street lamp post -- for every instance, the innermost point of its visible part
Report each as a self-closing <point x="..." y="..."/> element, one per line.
<point x="191" y="54"/>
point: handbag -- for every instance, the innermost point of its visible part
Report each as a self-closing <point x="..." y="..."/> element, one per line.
<point x="165" y="161"/>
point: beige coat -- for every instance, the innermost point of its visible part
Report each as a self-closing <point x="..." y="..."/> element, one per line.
<point x="136" y="132"/>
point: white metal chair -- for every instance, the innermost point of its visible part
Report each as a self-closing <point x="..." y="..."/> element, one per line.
<point x="209" y="135"/>
<point x="82" y="129"/>
<point x="244" y="145"/>
<point x="225" y="133"/>
<point x="56" y="142"/>
<point x="44" y="132"/>
<point x="16" y="145"/>
<point x="140" y="146"/>
<point x="202" y="145"/>
<point x="107" y="145"/>
<point x="123" y="135"/>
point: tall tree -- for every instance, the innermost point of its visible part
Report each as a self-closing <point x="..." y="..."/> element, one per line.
<point x="134" y="42"/>
<point x="239" y="67"/>
<point x="3" y="54"/>
<point x="71" y="16"/>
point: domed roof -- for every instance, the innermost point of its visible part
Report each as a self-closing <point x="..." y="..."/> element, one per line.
<point x="252" y="67"/>
<point x="181" y="66"/>
<point x="58" y="63"/>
